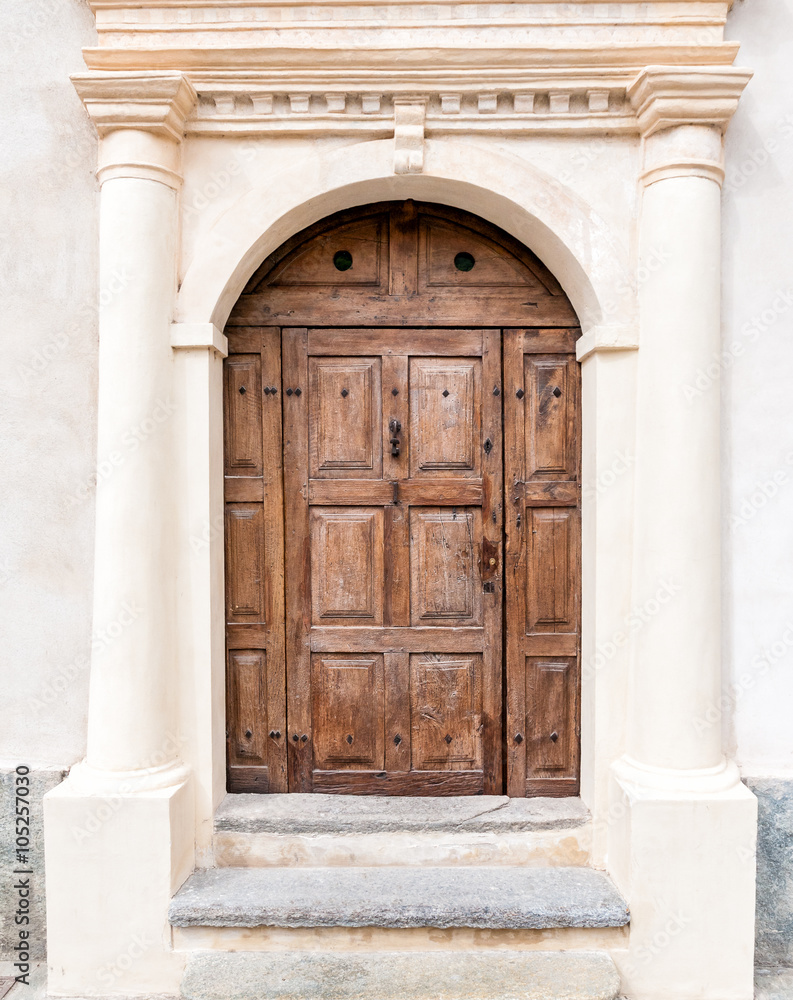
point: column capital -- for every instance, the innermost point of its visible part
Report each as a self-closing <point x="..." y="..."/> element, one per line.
<point x="668" y="96"/>
<point x="159" y="103"/>
<point x="140" y="118"/>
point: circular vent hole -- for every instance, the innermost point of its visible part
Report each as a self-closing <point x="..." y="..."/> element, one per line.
<point x="464" y="261"/>
<point x="342" y="260"/>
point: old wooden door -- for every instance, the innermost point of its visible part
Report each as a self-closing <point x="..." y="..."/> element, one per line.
<point x="370" y="412"/>
<point x="393" y="465"/>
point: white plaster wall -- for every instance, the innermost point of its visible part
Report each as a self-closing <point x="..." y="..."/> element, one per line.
<point x="48" y="281"/>
<point x="757" y="381"/>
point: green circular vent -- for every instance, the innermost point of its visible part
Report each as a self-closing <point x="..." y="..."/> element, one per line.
<point x="464" y="261"/>
<point x="342" y="260"/>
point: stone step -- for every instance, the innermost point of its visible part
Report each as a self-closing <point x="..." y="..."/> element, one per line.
<point x="327" y="830"/>
<point x="405" y="975"/>
<point x="479" y="897"/>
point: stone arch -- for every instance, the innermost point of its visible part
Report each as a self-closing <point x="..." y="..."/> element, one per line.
<point x="573" y="242"/>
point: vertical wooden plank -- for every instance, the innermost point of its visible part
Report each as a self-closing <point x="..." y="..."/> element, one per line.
<point x="403" y="250"/>
<point x="273" y="505"/>
<point x="397" y="712"/>
<point x="298" y="558"/>
<point x="395" y="469"/>
<point x="493" y="590"/>
<point x="395" y="407"/>
<point x="514" y="567"/>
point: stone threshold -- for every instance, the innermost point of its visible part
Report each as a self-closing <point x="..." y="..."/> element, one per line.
<point x="317" y="814"/>
<point x="479" y="897"/>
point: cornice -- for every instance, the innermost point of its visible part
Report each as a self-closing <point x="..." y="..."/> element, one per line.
<point x="669" y="96"/>
<point x="154" y="102"/>
<point x="414" y="62"/>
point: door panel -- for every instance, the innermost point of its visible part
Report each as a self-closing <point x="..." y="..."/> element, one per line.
<point x="445" y="401"/>
<point x="345" y="417"/>
<point x="543" y="562"/>
<point x="392" y="490"/>
<point x="255" y="673"/>
<point x="446" y="712"/>
<point x="347" y="565"/>
<point x="347" y="709"/>
<point x="443" y="566"/>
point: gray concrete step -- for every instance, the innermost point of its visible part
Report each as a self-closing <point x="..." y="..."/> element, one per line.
<point x="406" y="975"/>
<point x="374" y="830"/>
<point x="493" y="897"/>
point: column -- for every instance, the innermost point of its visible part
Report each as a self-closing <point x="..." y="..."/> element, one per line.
<point x="682" y="836"/>
<point x="119" y="832"/>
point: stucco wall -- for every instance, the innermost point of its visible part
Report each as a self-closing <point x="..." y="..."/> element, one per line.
<point x="47" y="381"/>
<point x="758" y="452"/>
<point x="757" y="410"/>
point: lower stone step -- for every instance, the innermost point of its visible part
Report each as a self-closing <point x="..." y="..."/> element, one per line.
<point x="476" y="897"/>
<point x="401" y="975"/>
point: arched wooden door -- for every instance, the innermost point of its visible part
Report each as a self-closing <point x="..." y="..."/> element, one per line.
<point x="402" y="462"/>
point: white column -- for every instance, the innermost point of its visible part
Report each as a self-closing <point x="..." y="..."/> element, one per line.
<point x="682" y="826"/>
<point x="119" y="832"/>
<point x="676" y="578"/>
<point x="132" y="669"/>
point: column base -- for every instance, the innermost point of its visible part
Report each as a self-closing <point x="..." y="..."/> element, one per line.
<point x="682" y="850"/>
<point x="113" y="861"/>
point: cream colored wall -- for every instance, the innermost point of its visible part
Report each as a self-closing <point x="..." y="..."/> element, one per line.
<point x="49" y="285"/>
<point x="49" y="384"/>
<point x="757" y="402"/>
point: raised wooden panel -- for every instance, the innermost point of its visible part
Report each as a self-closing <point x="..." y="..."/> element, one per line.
<point x="347" y="711"/>
<point x="243" y="415"/>
<point x="551" y="723"/>
<point x="245" y="563"/>
<point x="552" y="562"/>
<point x="445" y="587"/>
<point x="445" y="416"/>
<point x="345" y="427"/>
<point x="246" y="708"/>
<point x="485" y="264"/>
<point x="551" y="396"/>
<point x="311" y="264"/>
<point x="446" y="711"/>
<point x="346" y="566"/>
